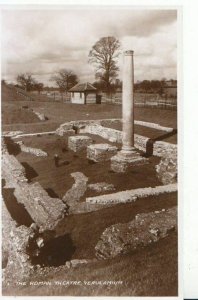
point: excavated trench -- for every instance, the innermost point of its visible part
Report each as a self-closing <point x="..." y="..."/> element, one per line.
<point x="56" y="252"/>
<point x="12" y="147"/>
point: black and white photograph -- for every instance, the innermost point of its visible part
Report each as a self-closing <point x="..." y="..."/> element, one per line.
<point x="89" y="102"/>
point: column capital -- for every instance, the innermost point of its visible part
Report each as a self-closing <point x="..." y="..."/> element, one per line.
<point x="129" y="52"/>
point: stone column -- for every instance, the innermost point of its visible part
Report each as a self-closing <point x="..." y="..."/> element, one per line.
<point x="128" y="104"/>
<point x="128" y="156"/>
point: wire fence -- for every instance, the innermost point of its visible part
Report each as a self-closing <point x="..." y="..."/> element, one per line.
<point x="140" y="99"/>
<point x="144" y="100"/>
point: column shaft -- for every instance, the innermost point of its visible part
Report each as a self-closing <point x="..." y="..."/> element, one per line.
<point x="128" y="103"/>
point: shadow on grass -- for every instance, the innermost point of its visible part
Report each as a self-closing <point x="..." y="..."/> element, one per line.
<point x="30" y="173"/>
<point x="16" y="210"/>
<point x="51" y="193"/>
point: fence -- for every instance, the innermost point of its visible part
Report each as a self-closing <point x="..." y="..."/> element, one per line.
<point x="60" y="97"/>
<point x="143" y="100"/>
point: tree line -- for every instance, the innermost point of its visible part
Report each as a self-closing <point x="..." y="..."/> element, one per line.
<point x="103" y="57"/>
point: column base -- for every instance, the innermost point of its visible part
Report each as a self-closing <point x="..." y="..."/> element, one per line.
<point x="124" y="160"/>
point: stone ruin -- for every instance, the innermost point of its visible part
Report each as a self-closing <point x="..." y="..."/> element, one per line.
<point x="167" y="168"/>
<point x="34" y="151"/>
<point x="21" y="243"/>
<point x="145" y="229"/>
<point x="47" y="212"/>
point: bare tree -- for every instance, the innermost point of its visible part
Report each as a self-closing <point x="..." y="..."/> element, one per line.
<point x="65" y="79"/>
<point x="104" y="55"/>
<point x="38" y="86"/>
<point x="26" y="81"/>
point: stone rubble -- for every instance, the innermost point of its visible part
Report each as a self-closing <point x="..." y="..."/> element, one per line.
<point x="101" y="187"/>
<point x="145" y="229"/>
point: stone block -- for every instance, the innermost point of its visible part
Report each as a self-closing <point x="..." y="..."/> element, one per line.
<point x="101" y="152"/>
<point x="121" y="163"/>
<point x="80" y="142"/>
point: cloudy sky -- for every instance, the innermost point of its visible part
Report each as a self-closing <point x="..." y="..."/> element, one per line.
<point x="42" y="41"/>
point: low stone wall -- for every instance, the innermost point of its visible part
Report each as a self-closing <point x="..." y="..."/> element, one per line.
<point x="104" y="122"/>
<point x="112" y="135"/>
<point x="167" y="168"/>
<point x="12" y="133"/>
<point x="8" y="225"/>
<point x="33" y="134"/>
<point x="154" y="126"/>
<point x="12" y="171"/>
<point x="23" y="245"/>
<point x="44" y="210"/>
<point x="34" y="151"/>
<point x="141" y="142"/>
<point x="78" y="189"/>
<point x="132" y="195"/>
<point x="68" y="127"/>
<point x="162" y="148"/>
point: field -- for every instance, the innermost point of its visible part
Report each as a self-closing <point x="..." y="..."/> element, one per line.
<point x="150" y="271"/>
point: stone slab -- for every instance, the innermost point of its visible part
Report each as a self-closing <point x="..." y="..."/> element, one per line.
<point x="101" y="152"/>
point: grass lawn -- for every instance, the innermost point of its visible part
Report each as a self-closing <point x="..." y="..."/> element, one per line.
<point x="16" y="118"/>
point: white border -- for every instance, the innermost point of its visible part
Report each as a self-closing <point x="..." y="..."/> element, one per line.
<point x="187" y="123"/>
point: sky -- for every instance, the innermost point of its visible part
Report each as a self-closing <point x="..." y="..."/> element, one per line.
<point x="42" y="40"/>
